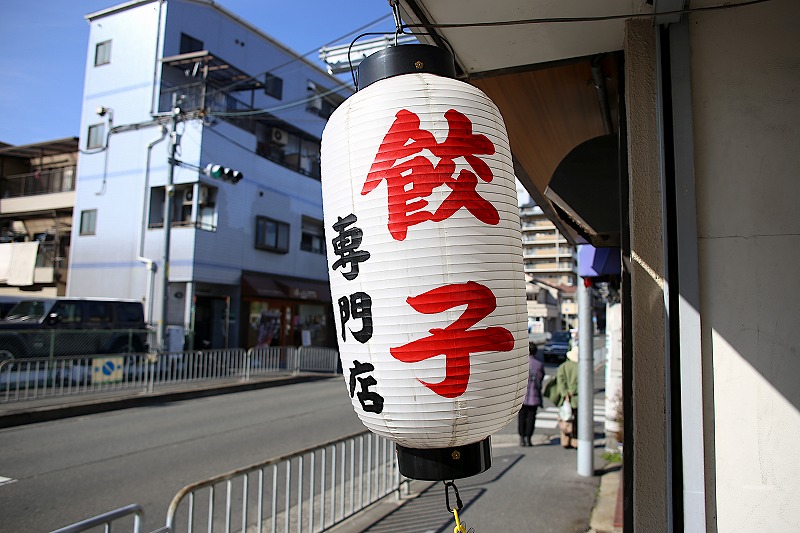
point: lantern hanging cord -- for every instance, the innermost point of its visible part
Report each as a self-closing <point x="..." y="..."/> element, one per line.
<point x="557" y="20"/>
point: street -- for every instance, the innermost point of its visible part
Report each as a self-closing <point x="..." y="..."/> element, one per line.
<point x="63" y="471"/>
<point x="56" y="473"/>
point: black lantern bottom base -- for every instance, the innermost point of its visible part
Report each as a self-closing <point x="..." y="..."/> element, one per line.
<point x="442" y="464"/>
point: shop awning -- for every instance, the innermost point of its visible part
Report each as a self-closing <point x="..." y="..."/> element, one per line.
<point x="595" y="262"/>
<point x="260" y="285"/>
<point x="255" y="284"/>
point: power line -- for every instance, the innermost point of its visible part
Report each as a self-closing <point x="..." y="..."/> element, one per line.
<point x="313" y="51"/>
<point x="559" y="20"/>
<point x="282" y="65"/>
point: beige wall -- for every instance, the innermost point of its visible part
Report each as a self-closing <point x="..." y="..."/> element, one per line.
<point x="647" y="297"/>
<point x="746" y="105"/>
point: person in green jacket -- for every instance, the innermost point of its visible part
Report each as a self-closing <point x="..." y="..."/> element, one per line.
<point x="566" y="384"/>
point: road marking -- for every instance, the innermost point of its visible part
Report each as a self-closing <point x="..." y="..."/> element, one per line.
<point x="547" y="418"/>
<point x="6" y="480"/>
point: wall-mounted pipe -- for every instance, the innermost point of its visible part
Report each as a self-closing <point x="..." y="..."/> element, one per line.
<point x="602" y="94"/>
<point x="151" y="265"/>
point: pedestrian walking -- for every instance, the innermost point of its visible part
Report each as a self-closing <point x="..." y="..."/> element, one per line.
<point x="567" y="388"/>
<point x="533" y="398"/>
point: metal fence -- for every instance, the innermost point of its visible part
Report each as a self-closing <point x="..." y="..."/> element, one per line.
<point x="308" y="491"/>
<point x="44" y="377"/>
<point x="106" y="520"/>
<point x="68" y="342"/>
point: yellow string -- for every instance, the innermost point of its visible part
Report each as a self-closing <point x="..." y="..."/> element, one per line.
<point x="460" y="528"/>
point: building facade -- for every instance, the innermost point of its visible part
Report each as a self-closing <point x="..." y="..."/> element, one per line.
<point x="37" y="194"/>
<point x="176" y="92"/>
<point x="548" y="257"/>
<point x="547" y="254"/>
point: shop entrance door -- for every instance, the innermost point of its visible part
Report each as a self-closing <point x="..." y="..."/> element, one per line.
<point x="211" y="322"/>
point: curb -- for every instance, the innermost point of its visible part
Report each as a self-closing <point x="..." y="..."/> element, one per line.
<point x="83" y="406"/>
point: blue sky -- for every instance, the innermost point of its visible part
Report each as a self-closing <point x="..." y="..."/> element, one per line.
<point x="43" y="57"/>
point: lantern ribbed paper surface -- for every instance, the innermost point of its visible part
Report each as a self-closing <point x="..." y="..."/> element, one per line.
<point x="425" y="258"/>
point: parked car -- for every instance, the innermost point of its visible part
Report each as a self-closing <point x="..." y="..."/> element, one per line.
<point x="57" y="327"/>
<point x="555" y="351"/>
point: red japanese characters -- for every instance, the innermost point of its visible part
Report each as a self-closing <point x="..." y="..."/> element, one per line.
<point x="411" y="177"/>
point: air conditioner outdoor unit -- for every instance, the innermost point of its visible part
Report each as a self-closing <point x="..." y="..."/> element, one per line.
<point x="188" y="196"/>
<point x="279" y="137"/>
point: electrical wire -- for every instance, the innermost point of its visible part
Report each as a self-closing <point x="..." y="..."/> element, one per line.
<point x="551" y="20"/>
<point x="282" y="107"/>
<point x="298" y="58"/>
<point x="285" y="64"/>
<point x="599" y="18"/>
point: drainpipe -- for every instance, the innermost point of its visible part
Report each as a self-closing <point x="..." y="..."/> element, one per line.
<point x="602" y="97"/>
<point x="151" y="265"/>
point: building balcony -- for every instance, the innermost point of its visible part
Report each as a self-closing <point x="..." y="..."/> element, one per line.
<point x="39" y="182"/>
<point x="548" y="267"/>
<point x="38" y="191"/>
<point x="543" y="238"/>
<point x="533" y="252"/>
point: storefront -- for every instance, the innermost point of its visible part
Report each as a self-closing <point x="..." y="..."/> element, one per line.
<point x="284" y="311"/>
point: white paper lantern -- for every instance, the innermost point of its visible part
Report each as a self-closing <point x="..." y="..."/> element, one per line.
<point x="425" y="258"/>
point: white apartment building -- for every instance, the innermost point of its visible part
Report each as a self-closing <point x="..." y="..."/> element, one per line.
<point x="549" y="258"/>
<point x="547" y="254"/>
<point x="245" y="262"/>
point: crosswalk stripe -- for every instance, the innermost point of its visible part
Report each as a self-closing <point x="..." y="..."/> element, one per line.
<point x="547" y="418"/>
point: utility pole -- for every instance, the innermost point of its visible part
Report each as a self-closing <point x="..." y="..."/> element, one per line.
<point x="168" y="194"/>
<point x="585" y="380"/>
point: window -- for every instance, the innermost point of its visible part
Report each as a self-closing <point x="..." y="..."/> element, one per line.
<point x="130" y="312"/>
<point x="272" y="235"/>
<point x="289" y="149"/>
<point x="99" y="312"/>
<point x="190" y="44"/>
<point x="95" y="136"/>
<point x="183" y="205"/>
<point x="68" y="312"/>
<point x="207" y="208"/>
<point x="88" y="221"/>
<point x="273" y="85"/>
<point x="313" y="239"/>
<point x="187" y="211"/>
<point x="102" y="53"/>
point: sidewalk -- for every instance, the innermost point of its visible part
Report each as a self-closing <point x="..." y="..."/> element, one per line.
<point x="527" y="489"/>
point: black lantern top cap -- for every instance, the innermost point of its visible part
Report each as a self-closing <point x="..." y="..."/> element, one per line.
<point x="405" y="59"/>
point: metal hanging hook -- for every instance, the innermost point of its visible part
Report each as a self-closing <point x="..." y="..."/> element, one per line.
<point x="398" y="24"/>
<point x="459" y="504"/>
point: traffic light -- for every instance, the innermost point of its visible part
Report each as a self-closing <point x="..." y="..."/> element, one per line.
<point x="223" y="173"/>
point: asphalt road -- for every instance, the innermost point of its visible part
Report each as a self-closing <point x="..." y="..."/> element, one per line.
<point x="56" y="473"/>
<point x="67" y="470"/>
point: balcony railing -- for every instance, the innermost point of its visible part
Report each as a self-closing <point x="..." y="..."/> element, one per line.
<point x="222" y="102"/>
<point x="39" y="182"/>
<point x="49" y="256"/>
<point x="192" y="99"/>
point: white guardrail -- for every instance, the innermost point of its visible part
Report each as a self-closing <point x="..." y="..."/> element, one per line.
<point x="308" y="491"/>
<point x="34" y="378"/>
